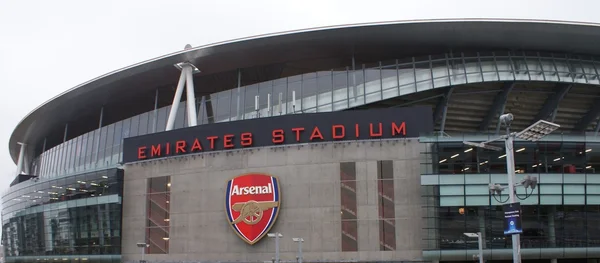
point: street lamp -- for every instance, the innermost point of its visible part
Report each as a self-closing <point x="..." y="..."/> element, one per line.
<point x="532" y="133"/>
<point x="277" y="236"/>
<point x="299" y="240"/>
<point x="143" y="246"/>
<point x="479" y="241"/>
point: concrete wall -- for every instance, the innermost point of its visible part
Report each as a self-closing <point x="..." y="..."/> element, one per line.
<point x="310" y="186"/>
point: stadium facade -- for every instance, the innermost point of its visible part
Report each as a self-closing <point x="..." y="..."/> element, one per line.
<point x="350" y="138"/>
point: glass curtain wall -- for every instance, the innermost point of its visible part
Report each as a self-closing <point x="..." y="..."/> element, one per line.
<point x="563" y="211"/>
<point x="76" y="215"/>
<point x="322" y="91"/>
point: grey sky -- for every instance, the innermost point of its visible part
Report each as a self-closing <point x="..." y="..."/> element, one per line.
<point x="47" y="47"/>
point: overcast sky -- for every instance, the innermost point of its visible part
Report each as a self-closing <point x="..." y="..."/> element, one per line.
<point x="49" y="46"/>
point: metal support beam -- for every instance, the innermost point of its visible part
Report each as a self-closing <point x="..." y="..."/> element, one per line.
<point x="441" y="109"/>
<point x="44" y="145"/>
<point x="498" y="106"/>
<point x="20" y="159"/>
<point x="176" y="100"/>
<point x="589" y="117"/>
<point x="26" y="164"/>
<point x="191" y="98"/>
<point x="65" y="134"/>
<point x="548" y="111"/>
<point x="101" y="117"/>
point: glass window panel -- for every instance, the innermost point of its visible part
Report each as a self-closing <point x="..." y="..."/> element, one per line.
<point x="143" y="124"/>
<point x="116" y="145"/>
<point x="181" y="118"/>
<point x="224" y="105"/>
<point x="389" y="80"/>
<point x="264" y="89"/>
<point x="324" y="88"/>
<point x="89" y="148"/>
<point x="162" y="116"/>
<point x="356" y="85"/>
<point x="309" y="91"/>
<point x="280" y="97"/>
<point x="249" y="101"/>
<point x="294" y="91"/>
<point x="340" y="86"/>
<point x="134" y="128"/>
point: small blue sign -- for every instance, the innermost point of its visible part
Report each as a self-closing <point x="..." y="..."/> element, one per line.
<point x="512" y="219"/>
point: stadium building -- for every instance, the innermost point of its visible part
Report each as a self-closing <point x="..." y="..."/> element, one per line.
<point x="355" y="143"/>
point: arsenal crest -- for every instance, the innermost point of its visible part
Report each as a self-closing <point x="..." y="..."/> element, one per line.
<point x="252" y="205"/>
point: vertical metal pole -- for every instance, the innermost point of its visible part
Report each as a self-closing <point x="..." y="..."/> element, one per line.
<point x="293" y="101"/>
<point x="277" y="247"/>
<point x="256" y="101"/>
<point x="280" y="103"/>
<point x="191" y="97"/>
<point x="300" y="251"/>
<point x="268" y="104"/>
<point x="20" y="160"/>
<point x="354" y="78"/>
<point x="510" y="166"/>
<point x="480" y="242"/>
<point x="143" y="252"/>
<point x="176" y="100"/>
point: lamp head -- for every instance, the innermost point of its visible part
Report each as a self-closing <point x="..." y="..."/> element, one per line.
<point x="506" y="119"/>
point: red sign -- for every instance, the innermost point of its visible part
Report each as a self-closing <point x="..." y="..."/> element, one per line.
<point x="252" y="205"/>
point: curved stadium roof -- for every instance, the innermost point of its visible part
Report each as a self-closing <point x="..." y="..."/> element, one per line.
<point x="272" y="56"/>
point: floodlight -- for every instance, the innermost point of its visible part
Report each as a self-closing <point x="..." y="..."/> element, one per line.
<point x="495" y="189"/>
<point x="483" y="145"/>
<point x="471" y="234"/>
<point x="142" y="245"/>
<point x="529" y="181"/>
<point x="507" y="119"/>
<point x="537" y="130"/>
<point x="298" y="239"/>
<point x="274" y="235"/>
<point x="533" y="183"/>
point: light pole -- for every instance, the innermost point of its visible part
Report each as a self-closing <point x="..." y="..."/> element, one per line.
<point x="299" y="240"/>
<point x="143" y="246"/>
<point x="480" y="243"/>
<point x="277" y="236"/>
<point x="532" y="133"/>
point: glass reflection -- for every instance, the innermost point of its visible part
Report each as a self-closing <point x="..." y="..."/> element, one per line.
<point x="76" y="215"/>
<point x="543" y="227"/>
<point x="541" y="157"/>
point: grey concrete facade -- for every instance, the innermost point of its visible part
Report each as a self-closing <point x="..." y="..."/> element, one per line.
<point x="310" y="202"/>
